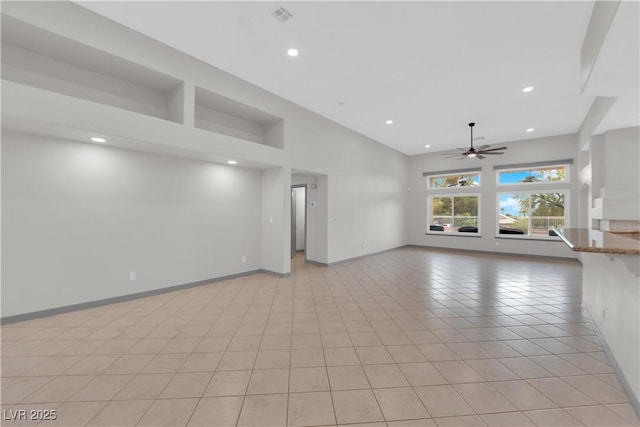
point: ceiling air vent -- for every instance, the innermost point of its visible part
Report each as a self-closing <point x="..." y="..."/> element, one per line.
<point x="282" y="14"/>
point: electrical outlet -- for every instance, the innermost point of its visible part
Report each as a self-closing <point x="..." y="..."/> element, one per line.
<point x="244" y="259"/>
<point x="132" y="275"/>
<point x="604" y="313"/>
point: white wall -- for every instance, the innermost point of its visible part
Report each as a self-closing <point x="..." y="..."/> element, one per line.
<point x="78" y="218"/>
<point x="535" y="150"/>
<point x="276" y="213"/>
<point x="365" y="179"/>
<point x="611" y="292"/>
<point x="366" y="185"/>
<point x="621" y="158"/>
<point x="361" y="183"/>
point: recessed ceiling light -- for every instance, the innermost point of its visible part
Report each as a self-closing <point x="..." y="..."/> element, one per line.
<point x="527" y="89"/>
<point x="427" y="146"/>
<point x="292" y="52"/>
<point x="389" y="122"/>
<point x="231" y="162"/>
<point x="530" y="130"/>
<point x="98" y="139"/>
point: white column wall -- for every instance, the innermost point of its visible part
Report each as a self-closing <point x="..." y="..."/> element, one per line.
<point x="611" y="292"/>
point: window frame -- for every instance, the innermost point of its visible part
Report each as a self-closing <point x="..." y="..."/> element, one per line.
<point x="566" y="182"/>
<point x="461" y="191"/>
<point x="564" y="190"/>
<point x="461" y="172"/>
<point x="454" y="194"/>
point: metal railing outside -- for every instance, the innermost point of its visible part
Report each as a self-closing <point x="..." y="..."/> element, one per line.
<point x="547" y="222"/>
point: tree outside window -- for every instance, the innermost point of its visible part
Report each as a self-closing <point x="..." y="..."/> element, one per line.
<point x="453" y="212"/>
<point x="532" y="213"/>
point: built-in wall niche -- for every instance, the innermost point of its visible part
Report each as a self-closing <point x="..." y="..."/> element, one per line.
<point x="38" y="58"/>
<point x="216" y="113"/>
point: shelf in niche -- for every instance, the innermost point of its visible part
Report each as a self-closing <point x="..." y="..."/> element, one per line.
<point x="38" y="58"/>
<point x="219" y="114"/>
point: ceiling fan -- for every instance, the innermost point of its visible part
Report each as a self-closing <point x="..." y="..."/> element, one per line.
<point x="479" y="152"/>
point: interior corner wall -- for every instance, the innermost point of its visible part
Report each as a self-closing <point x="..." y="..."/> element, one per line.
<point x="77" y="218"/>
<point x="538" y="150"/>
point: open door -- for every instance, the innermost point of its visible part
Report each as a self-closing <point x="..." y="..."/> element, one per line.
<point x="298" y="219"/>
<point x="293" y="222"/>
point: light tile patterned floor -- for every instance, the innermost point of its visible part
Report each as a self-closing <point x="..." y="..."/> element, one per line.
<point x="412" y="337"/>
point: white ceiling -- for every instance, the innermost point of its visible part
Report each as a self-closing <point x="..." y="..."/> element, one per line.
<point x="431" y="67"/>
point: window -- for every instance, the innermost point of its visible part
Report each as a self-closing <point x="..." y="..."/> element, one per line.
<point x="531" y="214"/>
<point x="454" y="214"/>
<point x="468" y="179"/>
<point x="535" y="175"/>
<point x="533" y="199"/>
<point x="453" y="202"/>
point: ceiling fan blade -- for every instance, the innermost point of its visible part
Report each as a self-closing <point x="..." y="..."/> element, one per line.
<point x="482" y="147"/>
<point x="463" y="149"/>
<point x="451" y="156"/>
<point x="480" y="156"/>
<point x="495" y="149"/>
<point x="500" y="153"/>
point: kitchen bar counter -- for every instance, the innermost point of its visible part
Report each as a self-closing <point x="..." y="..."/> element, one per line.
<point x="596" y="241"/>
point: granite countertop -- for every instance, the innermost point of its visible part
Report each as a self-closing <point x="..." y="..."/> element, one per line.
<point x="605" y="242"/>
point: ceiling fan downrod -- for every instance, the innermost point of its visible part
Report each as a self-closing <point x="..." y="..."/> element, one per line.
<point x="471" y="150"/>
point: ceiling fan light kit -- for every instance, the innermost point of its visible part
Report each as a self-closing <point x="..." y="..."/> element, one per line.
<point x="479" y="153"/>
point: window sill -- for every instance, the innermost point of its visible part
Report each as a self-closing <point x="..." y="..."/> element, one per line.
<point x="457" y="234"/>
<point x="519" y="237"/>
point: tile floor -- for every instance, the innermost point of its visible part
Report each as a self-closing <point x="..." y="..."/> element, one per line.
<point x="412" y="337"/>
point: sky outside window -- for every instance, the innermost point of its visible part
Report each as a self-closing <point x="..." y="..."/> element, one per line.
<point x="553" y="174"/>
<point x="508" y="205"/>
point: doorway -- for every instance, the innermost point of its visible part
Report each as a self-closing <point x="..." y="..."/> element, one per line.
<point x="298" y="219"/>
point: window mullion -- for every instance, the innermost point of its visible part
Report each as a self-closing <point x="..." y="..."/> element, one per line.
<point x="453" y="209"/>
<point x="530" y="221"/>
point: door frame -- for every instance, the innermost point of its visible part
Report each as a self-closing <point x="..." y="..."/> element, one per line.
<point x="305" y="215"/>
